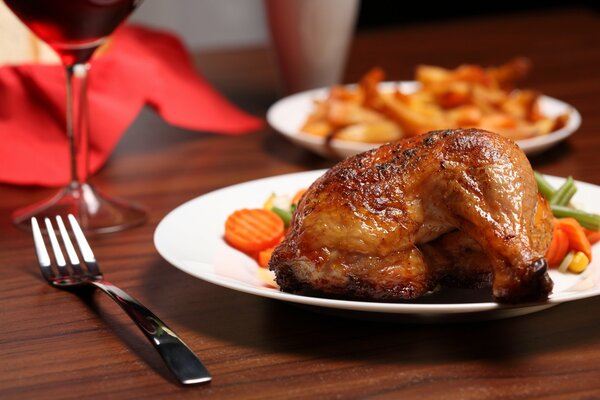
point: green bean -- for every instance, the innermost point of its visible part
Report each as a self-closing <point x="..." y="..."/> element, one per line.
<point x="544" y="186"/>
<point x="285" y="215"/>
<point x="587" y="220"/>
<point x="568" y="196"/>
<point x="564" y="193"/>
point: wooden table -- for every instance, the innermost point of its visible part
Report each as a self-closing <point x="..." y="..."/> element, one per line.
<point x="54" y="344"/>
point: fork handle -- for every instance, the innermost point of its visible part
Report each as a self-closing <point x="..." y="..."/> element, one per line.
<point x="186" y="366"/>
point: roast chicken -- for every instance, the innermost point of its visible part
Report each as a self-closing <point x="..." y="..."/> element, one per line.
<point x="449" y="208"/>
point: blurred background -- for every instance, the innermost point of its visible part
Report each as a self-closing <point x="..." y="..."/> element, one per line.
<point x="212" y="28"/>
<point x="218" y="24"/>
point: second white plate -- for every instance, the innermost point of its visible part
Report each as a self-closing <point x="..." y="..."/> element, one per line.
<point x="288" y="115"/>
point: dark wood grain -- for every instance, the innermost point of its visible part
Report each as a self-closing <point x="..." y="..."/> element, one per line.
<point x="54" y="344"/>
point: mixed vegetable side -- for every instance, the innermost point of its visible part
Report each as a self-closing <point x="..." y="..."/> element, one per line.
<point x="574" y="230"/>
<point x="258" y="231"/>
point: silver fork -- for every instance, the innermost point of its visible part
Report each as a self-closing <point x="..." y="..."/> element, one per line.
<point x="179" y="358"/>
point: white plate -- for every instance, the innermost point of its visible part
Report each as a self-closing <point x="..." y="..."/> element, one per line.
<point x="191" y="238"/>
<point x="288" y="115"/>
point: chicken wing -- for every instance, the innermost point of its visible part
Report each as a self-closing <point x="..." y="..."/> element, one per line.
<point x="392" y="223"/>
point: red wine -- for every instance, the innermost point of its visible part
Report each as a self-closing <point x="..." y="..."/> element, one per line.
<point x="73" y="28"/>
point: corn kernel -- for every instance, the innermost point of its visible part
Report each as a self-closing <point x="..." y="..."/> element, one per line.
<point x="579" y="262"/>
<point x="269" y="202"/>
<point x="280" y="201"/>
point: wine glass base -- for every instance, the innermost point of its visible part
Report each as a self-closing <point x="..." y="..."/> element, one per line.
<point x="95" y="211"/>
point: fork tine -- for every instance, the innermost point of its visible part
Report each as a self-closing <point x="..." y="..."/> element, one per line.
<point x="40" y="250"/>
<point x="61" y="263"/>
<point x="84" y="247"/>
<point x="68" y="245"/>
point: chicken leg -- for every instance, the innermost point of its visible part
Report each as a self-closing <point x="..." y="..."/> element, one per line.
<point x="366" y="228"/>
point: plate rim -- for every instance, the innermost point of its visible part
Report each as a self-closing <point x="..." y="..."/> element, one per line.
<point x="404" y="308"/>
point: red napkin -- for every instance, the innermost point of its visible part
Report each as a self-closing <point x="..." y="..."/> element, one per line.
<point x="142" y="66"/>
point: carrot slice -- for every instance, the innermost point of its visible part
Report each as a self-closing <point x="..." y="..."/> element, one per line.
<point x="253" y="230"/>
<point x="264" y="257"/>
<point x="577" y="239"/>
<point x="298" y="196"/>
<point x="593" y="236"/>
<point x="558" y="247"/>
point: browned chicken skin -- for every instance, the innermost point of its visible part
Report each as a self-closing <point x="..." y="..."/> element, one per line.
<point x="455" y="206"/>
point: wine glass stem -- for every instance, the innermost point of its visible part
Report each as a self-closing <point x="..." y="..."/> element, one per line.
<point x="77" y="122"/>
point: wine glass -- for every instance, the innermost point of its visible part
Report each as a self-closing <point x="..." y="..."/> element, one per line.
<point x="75" y="29"/>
